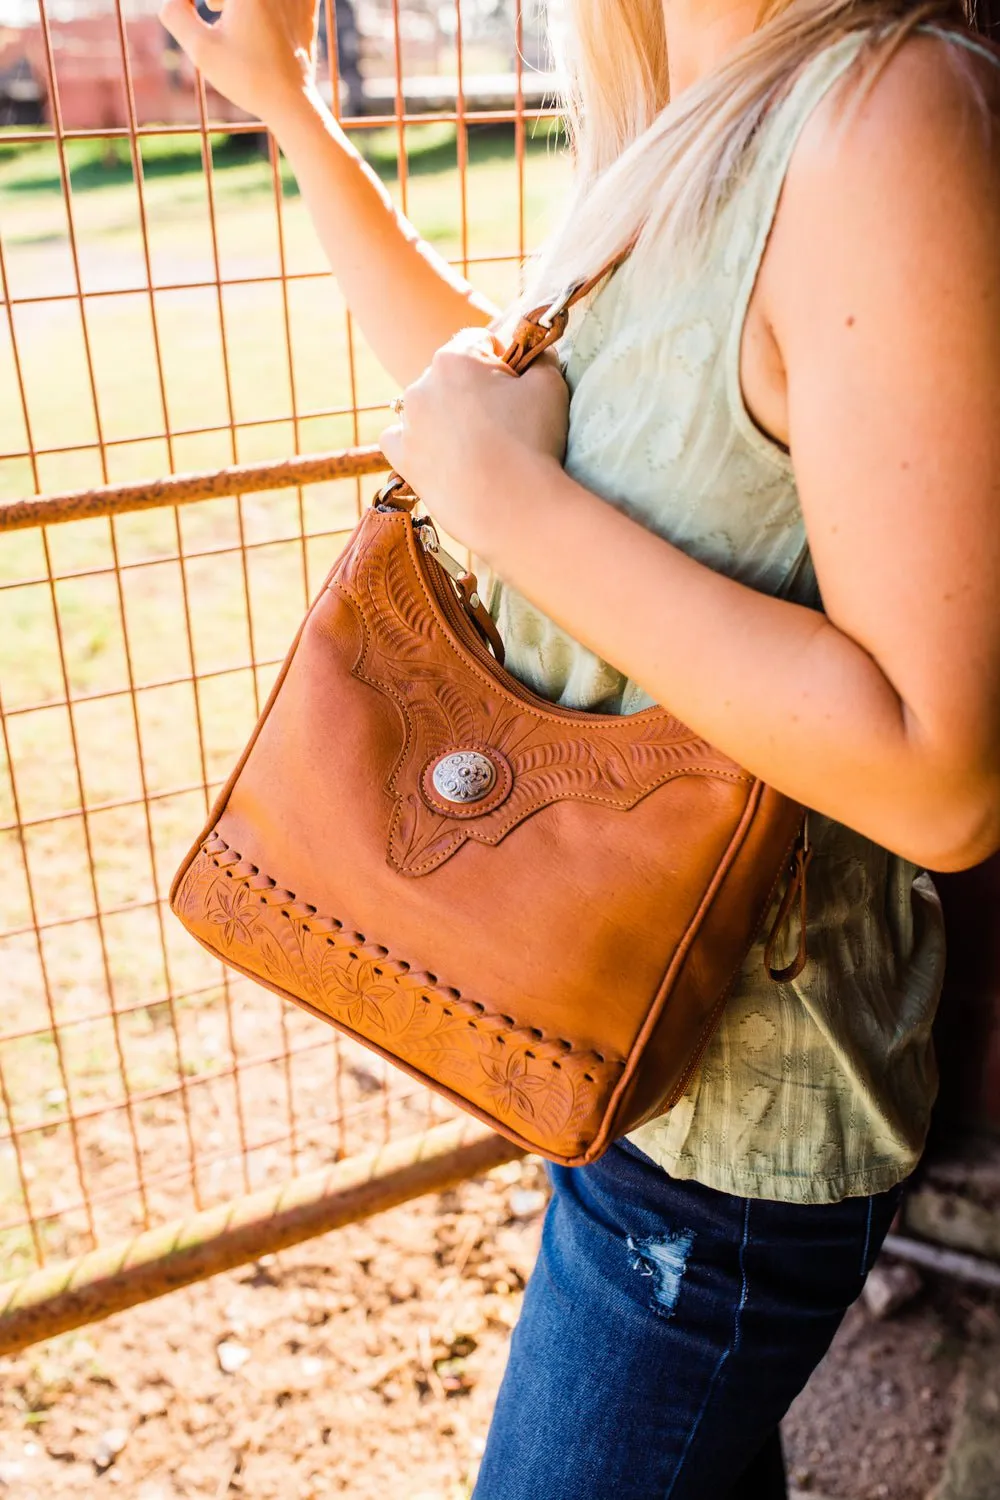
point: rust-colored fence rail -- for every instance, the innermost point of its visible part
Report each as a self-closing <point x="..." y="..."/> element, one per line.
<point x="186" y="423"/>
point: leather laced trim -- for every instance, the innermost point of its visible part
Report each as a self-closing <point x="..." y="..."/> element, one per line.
<point x="501" y="1027"/>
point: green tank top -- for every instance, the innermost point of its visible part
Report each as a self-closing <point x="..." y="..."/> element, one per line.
<point x="821" y="1088"/>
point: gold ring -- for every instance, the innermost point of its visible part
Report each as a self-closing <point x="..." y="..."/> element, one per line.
<point x="397" y="404"/>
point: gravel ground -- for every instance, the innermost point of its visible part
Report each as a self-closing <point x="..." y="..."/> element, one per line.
<point x="365" y="1363"/>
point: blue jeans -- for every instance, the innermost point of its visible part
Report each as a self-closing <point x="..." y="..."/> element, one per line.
<point x="665" y="1331"/>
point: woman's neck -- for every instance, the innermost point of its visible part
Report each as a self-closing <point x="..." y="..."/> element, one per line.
<point x="701" y="32"/>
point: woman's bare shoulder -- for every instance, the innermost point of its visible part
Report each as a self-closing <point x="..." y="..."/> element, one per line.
<point x="897" y="171"/>
<point x="928" y="108"/>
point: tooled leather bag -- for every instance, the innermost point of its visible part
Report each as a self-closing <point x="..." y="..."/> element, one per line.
<point x="534" y="910"/>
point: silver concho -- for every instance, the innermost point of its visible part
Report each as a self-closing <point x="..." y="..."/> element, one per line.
<point x="465" y="776"/>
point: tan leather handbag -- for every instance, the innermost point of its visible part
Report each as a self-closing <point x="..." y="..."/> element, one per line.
<point x="536" y="911"/>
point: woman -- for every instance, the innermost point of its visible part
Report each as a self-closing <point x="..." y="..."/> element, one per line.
<point x="786" y="393"/>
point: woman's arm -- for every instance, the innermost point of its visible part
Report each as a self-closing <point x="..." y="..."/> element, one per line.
<point x="406" y="298"/>
<point x="884" y="297"/>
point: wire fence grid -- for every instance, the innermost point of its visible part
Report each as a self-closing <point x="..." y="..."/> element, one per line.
<point x="166" y="307"/>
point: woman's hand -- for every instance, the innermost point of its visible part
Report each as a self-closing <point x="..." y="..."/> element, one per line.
<point x="261" y="54"/>
<point x="465" y="424"/>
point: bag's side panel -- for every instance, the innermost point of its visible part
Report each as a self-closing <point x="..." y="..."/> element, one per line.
<point x="681" y="1024"/>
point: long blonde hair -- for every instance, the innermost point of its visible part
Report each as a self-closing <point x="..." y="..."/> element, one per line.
<point x="655" y="172"/>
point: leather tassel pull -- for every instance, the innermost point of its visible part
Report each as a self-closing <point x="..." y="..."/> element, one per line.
<point x="796" y="887"/>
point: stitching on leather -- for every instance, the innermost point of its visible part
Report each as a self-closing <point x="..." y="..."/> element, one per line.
<point x="470" y="829"/>
<point x="476" y="831"/>
<point x="522" y="704"/>
<point x="473" y="1010"/>
<point x="484" y="831"/>
<point x="367" y="641"/>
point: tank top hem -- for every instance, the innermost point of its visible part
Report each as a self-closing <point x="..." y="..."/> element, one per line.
<point x="784" y="1187"/>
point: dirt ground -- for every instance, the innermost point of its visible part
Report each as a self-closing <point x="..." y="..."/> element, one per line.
<point x="365" y="1364"/>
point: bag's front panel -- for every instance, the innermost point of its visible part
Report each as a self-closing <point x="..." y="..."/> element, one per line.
<point x="511" y="960"/>
<point x="551" y="989"/>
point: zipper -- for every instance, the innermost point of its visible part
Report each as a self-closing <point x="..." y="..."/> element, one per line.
<point x="436" y="577"/>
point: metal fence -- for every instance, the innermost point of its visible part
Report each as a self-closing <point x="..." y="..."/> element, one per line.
<point x="165" y="309"/>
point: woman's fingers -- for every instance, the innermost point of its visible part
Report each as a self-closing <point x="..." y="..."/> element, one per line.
<point x="187" y="28"/>
<point x="476" y="341"/>
<point x="391" y="443"/>
<point x="259" y="53"/>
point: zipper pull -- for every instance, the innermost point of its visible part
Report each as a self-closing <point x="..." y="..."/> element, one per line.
<point x="430" y="542"/>
<point x="465" y="587"/>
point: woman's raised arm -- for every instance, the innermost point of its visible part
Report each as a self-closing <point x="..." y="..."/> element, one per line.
<point x="406" y="298"/>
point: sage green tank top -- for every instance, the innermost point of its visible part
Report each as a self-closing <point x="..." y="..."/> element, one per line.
<point x="818" y="1089"/>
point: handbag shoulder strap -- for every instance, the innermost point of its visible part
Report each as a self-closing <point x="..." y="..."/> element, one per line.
<point x="534" y="332"/>
<point x="537" y="329"/>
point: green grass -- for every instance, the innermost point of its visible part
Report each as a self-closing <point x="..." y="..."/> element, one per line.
<point x="188" y="326"/>
<point x="127" y="630"/>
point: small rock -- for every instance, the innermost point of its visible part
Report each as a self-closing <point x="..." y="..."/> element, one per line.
<point x="231" y="1356"/>
<point x="312" y="1366"/>
<point x="508" y="1174"/>
<point x="10" y="1472"/>
<point x="887" y="1394"/>
<point x="263" y="1272"/>
<point x="151" y="1402"/>
<point x="366" y="1250"/>
<point x="525" y="1203"/>
<point x="235" y="1316"/>
<point x="109" y="1445"/>
<point x="890" y="1288"/>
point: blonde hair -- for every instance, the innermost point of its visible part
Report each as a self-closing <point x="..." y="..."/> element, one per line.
<point x="655" y="172"/>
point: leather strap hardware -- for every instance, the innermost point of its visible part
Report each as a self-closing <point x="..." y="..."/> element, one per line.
<point x="395" y="494"/>
<point x="430" y="542"/>
<point x="562" y="303"/>
<point x="796" y="887"/>
<point x="465" y="586"/>
<point x="532" y="336"/>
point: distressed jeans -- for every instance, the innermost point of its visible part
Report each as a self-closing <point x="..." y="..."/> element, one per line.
<point x="665" y="1331"/>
